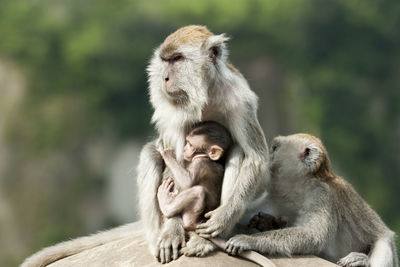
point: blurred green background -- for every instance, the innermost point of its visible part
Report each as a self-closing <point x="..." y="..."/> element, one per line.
<point x="74" y="108"/>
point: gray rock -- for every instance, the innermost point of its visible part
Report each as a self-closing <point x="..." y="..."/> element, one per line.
<point x="132" y="251"/>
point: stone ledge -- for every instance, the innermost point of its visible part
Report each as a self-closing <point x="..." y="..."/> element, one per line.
<point x="132" y="251"/>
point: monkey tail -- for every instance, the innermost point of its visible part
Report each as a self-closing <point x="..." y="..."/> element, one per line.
<point x="250" y="254"/>
<point x="62" y="250"/>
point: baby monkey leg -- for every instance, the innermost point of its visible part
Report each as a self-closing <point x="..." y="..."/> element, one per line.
<point x="189" y="202"/>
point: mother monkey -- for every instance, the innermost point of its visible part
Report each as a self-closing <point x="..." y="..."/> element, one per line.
<point x="191" y="81"/>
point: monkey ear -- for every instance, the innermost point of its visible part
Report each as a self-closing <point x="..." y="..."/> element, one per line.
<point x="215" y="152"/>
<point x="216" y="47"/>
<point x="306" y="152"/>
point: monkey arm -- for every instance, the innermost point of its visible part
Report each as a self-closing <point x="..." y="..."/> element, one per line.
<point x="181" y="176"/>
<point x="165" y="238"/>
<point x="310" y="235"/>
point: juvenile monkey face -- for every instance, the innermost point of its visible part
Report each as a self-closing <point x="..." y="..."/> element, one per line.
<point x="194" y="144"/>
<point x="297" y="154"/>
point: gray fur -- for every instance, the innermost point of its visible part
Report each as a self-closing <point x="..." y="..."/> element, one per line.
<point x="326" y="216"/>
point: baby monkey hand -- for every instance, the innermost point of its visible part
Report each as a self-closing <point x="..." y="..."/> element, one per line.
<point x="165" y="152"/>
<point x="266" y="222"/>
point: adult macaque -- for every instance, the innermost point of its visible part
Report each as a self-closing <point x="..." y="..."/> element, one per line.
<point x="326" y="216"/>
<point x="201" y="181"/>
<point x="191" y="81"/>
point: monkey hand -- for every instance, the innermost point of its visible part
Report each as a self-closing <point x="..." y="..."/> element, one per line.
<point x="169" y="243"/>
<point x="355" y="259"/>
<point x="239" y="243"/>
<point x="218" y="221"/>
<point x="167" y="153"/>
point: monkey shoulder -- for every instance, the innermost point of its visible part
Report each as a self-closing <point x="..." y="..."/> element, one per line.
<point x="354" y="209"/>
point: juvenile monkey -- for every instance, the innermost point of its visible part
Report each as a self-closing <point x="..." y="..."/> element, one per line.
<point x="326" y="217"/>
<point x="201" y="180"/>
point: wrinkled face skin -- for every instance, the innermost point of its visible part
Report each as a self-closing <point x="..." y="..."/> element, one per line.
<point x="174" y="78"/>
<point x="195" y="144"/>
<point x="182" y="66"/>
<point x="294" y="155"/>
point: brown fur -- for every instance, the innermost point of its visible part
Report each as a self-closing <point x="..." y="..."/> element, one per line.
<point x="189" y="34"/>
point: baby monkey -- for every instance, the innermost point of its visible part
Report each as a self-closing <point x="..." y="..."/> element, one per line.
<point x="201" y="180"/>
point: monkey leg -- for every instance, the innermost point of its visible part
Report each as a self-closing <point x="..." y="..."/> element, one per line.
<point x="198" y="246"/>
<point x="190" y="202"/>
<point x="354" y="259"/>
<point x="164" y="237"/>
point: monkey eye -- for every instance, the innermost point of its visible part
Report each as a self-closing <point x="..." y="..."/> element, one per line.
<point x="177" y="58"/>
<point x="307" y="152"/>
<point x="215" y="51"/>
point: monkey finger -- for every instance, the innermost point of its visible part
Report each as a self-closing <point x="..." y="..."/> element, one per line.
<point x="234" y="250"/>
<point x="164" y="183"/>
<point x="201" y="226"/>
<point x="170" y="185"/>
<point x="215" y="233"/>
<point x="167" y="254"/>
<point x="228" y="248"/>
<point x="158" y="253"/>
<point x="162" y="256"/>
<point x="207" y="236"/>
<point x="175" y="249"/>
<point x="204" y="232"/>
<point x="208" y="214"/>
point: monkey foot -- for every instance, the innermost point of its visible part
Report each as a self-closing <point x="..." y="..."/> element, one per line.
<point x="354" y="259"/>
<point x="198" y="246"/>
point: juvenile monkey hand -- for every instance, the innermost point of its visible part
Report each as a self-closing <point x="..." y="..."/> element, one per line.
<point x="265" y="222"/>
<point x="217" y="222"/>
<point x="167" y="153"/>
<point x="239" y="243"/>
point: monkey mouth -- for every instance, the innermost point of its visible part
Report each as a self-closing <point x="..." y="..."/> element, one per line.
<point x="274" y="169"/>
<point x="178" y="96"/>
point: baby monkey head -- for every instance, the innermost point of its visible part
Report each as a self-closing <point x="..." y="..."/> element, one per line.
<point x="209" y="139"/>
<point x="299" y="155"/>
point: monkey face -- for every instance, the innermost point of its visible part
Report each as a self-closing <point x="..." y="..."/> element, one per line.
<point x="184" y="67"/>
<point x="297" y="155"/>
<point x="194" y="144"/>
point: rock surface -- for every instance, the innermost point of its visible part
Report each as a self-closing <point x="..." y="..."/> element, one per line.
<point x="133" y="251"/>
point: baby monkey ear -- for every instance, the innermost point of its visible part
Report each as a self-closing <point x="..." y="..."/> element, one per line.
<point x="215" y="152"/>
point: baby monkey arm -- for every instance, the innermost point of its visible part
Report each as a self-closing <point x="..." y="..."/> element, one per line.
<point x="181" y="176"/>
